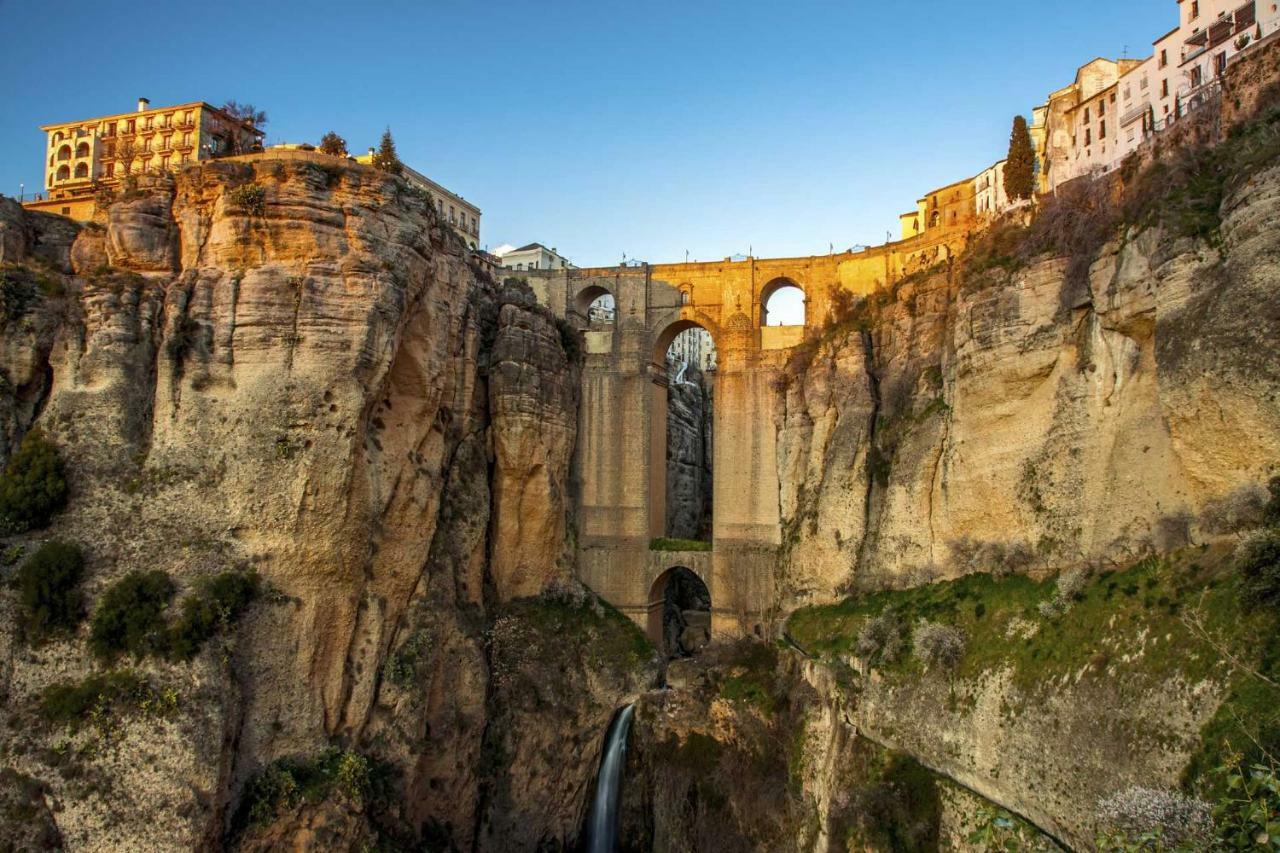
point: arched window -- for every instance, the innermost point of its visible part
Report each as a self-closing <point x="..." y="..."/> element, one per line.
<point x="82" y="170"/>
<point x="82" y="150"/>
<point x="596" y="304"/>
<point x="64" y="153"/>
<point x="782" y="304"/>
<point x="933" y="220"/>
<point x="57" y="136"/>
<point x="64" y="172"/>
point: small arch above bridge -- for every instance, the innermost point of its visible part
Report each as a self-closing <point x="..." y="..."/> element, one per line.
<point x="782" y="303"/>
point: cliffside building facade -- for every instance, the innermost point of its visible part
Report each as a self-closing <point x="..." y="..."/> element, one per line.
<point x="533" y="256"/>
<point x="85" y="156"/>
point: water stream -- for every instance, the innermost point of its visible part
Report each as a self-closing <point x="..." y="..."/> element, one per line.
<point x="601" y="835"/>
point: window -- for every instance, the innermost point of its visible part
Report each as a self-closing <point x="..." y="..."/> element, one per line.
<point x="66" y="211"/>
<point x="1195" y="10"/>
<point x="82" y="170"/>
<point x="1088" y="136"/>
<point x="1164" y="58"/>
<point x="1143" y="83"/>
<point x="64" y="153"/>
<point x="64" y="172"/>
<point x="1131" y="134"/>
<point x="1197" y="76"/>
<point x="150" y="123"/>
<point x="1164" y="91"/>
<point x="1102" y="130"/>
<point x="1220" y="63"/>
<point x="186" y="158"/>
<point x="129" y="126"/>
<point x="1102" y="108"/>
<point x="1086" y="115"/>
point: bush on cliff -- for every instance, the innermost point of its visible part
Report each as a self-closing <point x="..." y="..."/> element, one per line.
<point x="1259" y="567"/>
<point x="215" y="605"/>
<point x="882" y="639"/>
<point x="939" y="646"/>
<point x="49" y="591"/>
<point x="73" y="704"/>
<point x="1140" y="818"/>
<point x="130" y="617"/>
<point x="290" y="782"/>
<point x="33" y="486"/>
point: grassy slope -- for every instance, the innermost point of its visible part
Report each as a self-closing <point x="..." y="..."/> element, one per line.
<point x="1133" y="625"/>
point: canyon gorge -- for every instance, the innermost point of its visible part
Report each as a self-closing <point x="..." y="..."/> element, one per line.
<point x="1012" y="487"/>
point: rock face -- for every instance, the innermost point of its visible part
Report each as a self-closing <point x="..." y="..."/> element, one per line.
<point x="1018" y="422"/>
<point x="689" y="456"/>
<point x="291" y="366"/>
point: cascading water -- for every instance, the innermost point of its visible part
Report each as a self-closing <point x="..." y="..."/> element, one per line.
<point x="601" y="834"/>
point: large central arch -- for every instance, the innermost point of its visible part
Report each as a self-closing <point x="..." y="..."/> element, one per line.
<point x="620" y="461"/>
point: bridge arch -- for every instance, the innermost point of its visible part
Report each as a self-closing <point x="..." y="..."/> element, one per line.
<point x="668" y="333"/>
<point x="678" y="598"/>
<point x="595" y="296"/>
<point x="789" y="294"/>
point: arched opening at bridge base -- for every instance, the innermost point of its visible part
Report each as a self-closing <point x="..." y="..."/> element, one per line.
<point x="679" y="619"/>
<point x="682" y="465"/>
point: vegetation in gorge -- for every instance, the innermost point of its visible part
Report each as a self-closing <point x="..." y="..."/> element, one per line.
<point x="49" y="596"/>
<point x="33" y="486"/>
<point x="535" y="629"/>
<point x="131" y="617"/>
<point x="102" y="696"/>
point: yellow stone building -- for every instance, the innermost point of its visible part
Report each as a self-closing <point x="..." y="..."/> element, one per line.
<point x="85" y="156"/>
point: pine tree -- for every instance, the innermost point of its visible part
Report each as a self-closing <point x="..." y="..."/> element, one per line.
<point x="333" y="144"/>
<point x="385" y="158"/>
<point x="1019" y="169"/>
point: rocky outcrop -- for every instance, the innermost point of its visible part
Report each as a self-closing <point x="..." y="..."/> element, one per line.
<point x="290" y="365"/>
<point x="1015" y="420"/>
<point x="534" y="402"/>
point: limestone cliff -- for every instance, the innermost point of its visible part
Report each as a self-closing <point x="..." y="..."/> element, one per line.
<point x="1016" y="419"/>
<point x="993" y="419"/>
<point x="291" y="366"/>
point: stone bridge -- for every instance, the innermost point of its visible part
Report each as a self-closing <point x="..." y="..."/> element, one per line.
<point x="621" y="455"/>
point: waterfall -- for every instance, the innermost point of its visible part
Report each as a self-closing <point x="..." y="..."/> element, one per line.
<point x="602" y="819"/>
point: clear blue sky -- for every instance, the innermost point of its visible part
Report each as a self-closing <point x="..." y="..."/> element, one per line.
<point x="597" y="127"/>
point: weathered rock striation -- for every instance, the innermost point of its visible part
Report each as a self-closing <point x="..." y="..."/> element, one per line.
<point x="291" y="366"/>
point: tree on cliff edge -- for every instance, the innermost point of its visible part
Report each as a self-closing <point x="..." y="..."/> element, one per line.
<point x="385" y="158"/>
<point x="1019" y="169"/>
<point x="333" y="144"/>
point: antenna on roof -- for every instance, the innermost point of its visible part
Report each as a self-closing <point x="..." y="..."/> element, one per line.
<point x="1124" y="54"/>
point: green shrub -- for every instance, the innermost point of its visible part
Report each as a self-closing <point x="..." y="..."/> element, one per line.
<point x="1259" y="568"/>
<point x="75" y="703"/>
<point x="251" y="197"/>
<point x="49" y="591"/>
<point x="288" y="782"/>
<point x="215" y="604"/>
<point x="33" y="486"/>
<point x="1271" y="512"/>
<point x="130" y="617"/>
